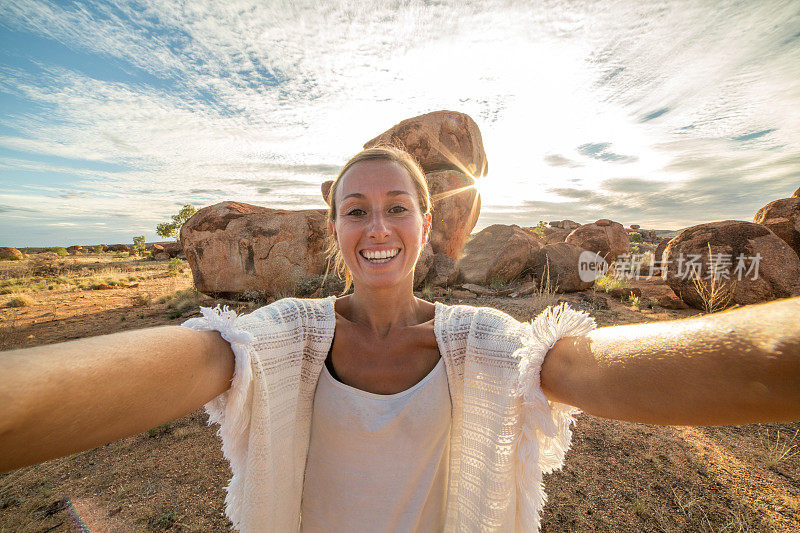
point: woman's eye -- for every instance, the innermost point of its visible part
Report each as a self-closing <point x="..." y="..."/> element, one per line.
<point x="356" y="212"/>
<point x="399" y="209"/>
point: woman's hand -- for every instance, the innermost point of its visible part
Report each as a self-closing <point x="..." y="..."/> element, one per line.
<point x="59" y="399"/>
<point x="737" y="367"/>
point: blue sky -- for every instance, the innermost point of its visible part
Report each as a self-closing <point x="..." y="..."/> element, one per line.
<point x="667" y="114"/>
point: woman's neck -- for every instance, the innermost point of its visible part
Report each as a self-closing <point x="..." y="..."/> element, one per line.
<point x="384" y="311"/>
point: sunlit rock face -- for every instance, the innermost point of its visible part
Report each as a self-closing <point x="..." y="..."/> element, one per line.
<point x="782" y="217"/>
<point x="423" y="266"/>
<point x="776" y="276"/>
<point x="440" y="140"/>
<point x="234" y="247"/>
<point x="456" y="208"/>
<point x="559" y="263"/>
<point x="796" y="193"/>
<point x="605" y="237"/>
<point x="11" y="254"/>
<point x="498" y="252"/>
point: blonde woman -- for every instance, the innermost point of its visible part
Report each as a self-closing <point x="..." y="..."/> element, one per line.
<point x="378" y="411"/>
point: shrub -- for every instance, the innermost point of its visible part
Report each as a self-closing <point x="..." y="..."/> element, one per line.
<point x="608" y="283"/>
<point x="175" y="266"/>
<point x="539" y="229"/>
<point x="139" y="245"/>
<point x="19" y="300"/>
<point x="497" y="284"/>
<point x="427" y="292"/>
<point x="98" y="249"/>
<point x="714" y="293"/>
<point x="58" y="250"/>
<point x="635" y="236"/>
<point x="171" y="229"/>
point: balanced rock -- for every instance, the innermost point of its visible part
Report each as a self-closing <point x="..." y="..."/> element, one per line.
<point x="782" y="217"/>
<point x="233" y="247"/>
<point x="443" y="272"/>
<point x="11" y="254"/>
<point x="559" y="263"/>
<point x="442" y="140"/>
<point x="497" y="252"/>
<point x="759" y="265"/>
<point x="455" y="211"/>
<point x="604" y="237"/>
<point x="565" y="224"/>
<point x="424" y="264"/>
<point x="635" y="226"/>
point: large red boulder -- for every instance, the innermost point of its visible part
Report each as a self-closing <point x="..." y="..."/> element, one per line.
<point x="782" y="217"/>
<point x="604" y="237"/>
<point x="442" y="140"/>
<point x="456" y="207"/>
<point x="796" y="193"/>
<point x="11" y="254"/>
<point x="424" y="264"/>
<point x="233" y="248"/>
<point x="497" y="252"/>
<point x="559" y="262"/>
<point x="758" y="264"/>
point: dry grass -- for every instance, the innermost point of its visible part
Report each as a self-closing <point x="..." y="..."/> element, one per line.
<point x="182" y="301"/>
<point x="779" y="451"/>
<point x="715" y="293"/>
<point x="19" y="300"/>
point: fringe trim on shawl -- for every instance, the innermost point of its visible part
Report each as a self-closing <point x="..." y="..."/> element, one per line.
<point x="231" y="409"/>
<point x="546" y="434"/>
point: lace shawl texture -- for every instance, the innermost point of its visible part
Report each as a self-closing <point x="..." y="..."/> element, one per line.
<point x="546" y="434"/>
<point x="265" y="416"/>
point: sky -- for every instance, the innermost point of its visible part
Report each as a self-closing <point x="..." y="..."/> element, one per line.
<point x="663" y="114"/>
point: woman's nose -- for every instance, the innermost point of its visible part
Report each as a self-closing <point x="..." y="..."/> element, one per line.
<point x="378" y="227"/>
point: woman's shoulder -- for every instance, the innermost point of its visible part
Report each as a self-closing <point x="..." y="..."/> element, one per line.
<point x="293" y="312"/>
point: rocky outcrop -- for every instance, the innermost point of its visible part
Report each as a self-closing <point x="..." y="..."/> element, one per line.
<point x="325" y="189"/>
<point x="173" y="249"/>
<point x="553" y="235"/>
<point x="233" y="247"/>
<point x="424" y="264"/>
<point x="119" y="248"/>
<point x="606" y="238"/>
<point x="782" y="217"/>
<point x="796" y="193"/>
<point x="635" y="226"/>
<point x="443" y="271"/>
<point x="10" y="254"/>
<point x="565" y="224"/>
<point x="498" y="252"/>
<point x="442" y="140"/>
<point x="559" y="261"/>
<point x="760" y="265"/>
<point x="74" y="249"/>
<point x="456" y="207"/>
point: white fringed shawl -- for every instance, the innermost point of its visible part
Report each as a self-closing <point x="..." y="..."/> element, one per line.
<point x="505" y="434"/>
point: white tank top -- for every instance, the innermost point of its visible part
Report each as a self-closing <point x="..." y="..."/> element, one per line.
<point x="378" y="462"/>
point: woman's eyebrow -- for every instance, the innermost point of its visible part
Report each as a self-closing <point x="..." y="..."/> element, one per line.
<point x="390" y="193"/>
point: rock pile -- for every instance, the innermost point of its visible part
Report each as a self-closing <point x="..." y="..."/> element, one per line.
<point x="605" y="237"/>
<point x="10" y="254"/>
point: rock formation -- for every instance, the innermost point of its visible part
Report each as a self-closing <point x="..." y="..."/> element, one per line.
<point x="565" y="224"/>
<point x="443" y="272"/>
<point x="442" y="140"/>
<point x="796" y="193"/>
<point x="747" y="251"/>
<point x="233" y="247"/>
<point x="782" y="217"/>
<point x="456" y="207"/>
<point x="608" y="239"/>
<point x="424" y="264"/>
<point x="497" y="252"/>
<point x="560" y="262"/>
<point x="11" y="254"/>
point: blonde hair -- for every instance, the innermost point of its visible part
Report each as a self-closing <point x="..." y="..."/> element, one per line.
<point x="376" y="153"/>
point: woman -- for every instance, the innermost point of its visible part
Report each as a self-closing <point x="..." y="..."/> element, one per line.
<point x="380" y="411"/>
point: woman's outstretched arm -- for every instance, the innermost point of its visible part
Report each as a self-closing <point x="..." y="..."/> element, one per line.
<point x="60" y="399"/>
<point x="737" y="367"/>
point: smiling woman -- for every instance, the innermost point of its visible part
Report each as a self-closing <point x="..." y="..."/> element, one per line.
<point x="379" y="411"/>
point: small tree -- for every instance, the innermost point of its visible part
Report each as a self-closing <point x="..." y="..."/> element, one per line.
<point x="172" y="229"/>
<point x="539" y="229"/>
<point x="139" y="245"/>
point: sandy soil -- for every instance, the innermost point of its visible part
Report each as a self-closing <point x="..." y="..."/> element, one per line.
<point x="618" y="476"/>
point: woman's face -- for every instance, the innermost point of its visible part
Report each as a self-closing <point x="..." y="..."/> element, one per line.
<point x="379" y="228"/>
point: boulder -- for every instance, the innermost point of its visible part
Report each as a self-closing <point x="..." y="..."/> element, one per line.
<point x="118" y="248"/>
<point x="604" y="237"/>
<point x="559" y="261"/>
<point x="565" y="224"/>
<point x="796" y="193"/>
<point x="660" y="249"/>
<point x="11" y="254"/>
<point x="424" y="264"/>
<point x="160" y="256"/>
<point x="233" y="247"/>
<point x="497" y="252"/>
<point x="173" y="249"/>
<point x="635" y="226"/>
<point x="442" y="140"/>
<point x="325" y="189"/>
<point x="454" y="214"/>
<point x="743" y="251"/>
<point x="782" y="217"/>
<point x="553" y="235"/>
<point x="74" y="249"/>
<point x="443" y="272"/>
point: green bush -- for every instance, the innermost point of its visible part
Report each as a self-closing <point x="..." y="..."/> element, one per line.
<point x="539" y="229"/>
<point x="58" y="250"/>
<point x="172" y="229"/>
<point x="635" y="236"/>
<point x="139" y="245"/>
<point x="175" y="266"/>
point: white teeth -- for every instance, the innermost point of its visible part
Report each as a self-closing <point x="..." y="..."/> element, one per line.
<point x="377" y="256"/>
